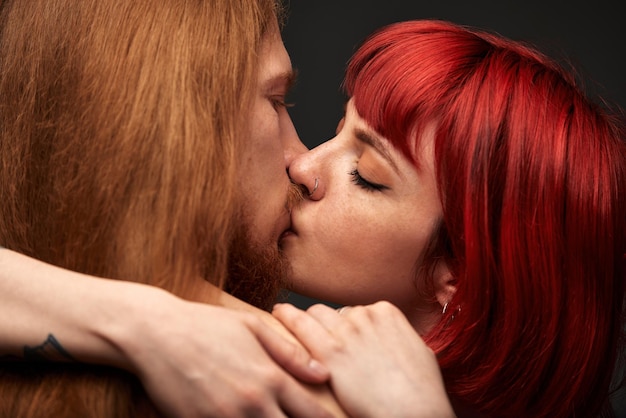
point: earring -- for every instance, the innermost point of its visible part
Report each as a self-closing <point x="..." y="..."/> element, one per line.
<point x="454" y="314"/>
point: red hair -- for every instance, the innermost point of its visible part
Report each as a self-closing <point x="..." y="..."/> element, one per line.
<point x="532" y="179"/>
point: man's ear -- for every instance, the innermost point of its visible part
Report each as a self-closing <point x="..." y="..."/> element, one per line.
<point x="444" y="284"/>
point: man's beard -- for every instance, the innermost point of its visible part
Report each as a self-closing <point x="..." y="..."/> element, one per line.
<point x="258" y="272"/>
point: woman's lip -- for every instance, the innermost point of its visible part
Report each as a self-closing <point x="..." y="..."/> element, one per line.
<point x="286" y="225"/>
<point x="285" y="236"/>
<point x="286" y="233"/>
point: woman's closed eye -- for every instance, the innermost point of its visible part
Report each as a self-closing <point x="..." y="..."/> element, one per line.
<point x="364" y="183"/>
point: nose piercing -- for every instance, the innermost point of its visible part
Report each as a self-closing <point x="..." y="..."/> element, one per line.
<point x="317" y="183"/>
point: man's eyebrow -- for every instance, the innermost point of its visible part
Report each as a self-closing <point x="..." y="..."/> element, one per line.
<point x="375" y="142"/>
<point x="286" y="79"/>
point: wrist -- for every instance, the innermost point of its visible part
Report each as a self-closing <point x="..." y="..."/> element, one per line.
<point x="45" y="306"/>
<point x="130" y="323"/>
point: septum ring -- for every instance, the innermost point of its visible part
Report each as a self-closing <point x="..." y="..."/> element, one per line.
<point x="317" y="183"/>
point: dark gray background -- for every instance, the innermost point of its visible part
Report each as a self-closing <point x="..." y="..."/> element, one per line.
<point x="320" y="36"/>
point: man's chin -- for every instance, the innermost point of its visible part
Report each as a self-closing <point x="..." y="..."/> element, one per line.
<point x="256" y="272"/>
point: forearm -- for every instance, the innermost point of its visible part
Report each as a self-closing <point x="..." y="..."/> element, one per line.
<point x="60" y="314"/>
<point x="171" y="344"/>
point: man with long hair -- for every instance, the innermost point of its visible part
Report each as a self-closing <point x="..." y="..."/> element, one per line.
<point x="146" y="141"/>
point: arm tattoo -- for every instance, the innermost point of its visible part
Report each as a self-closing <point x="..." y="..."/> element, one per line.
<point x="50" y="350"/>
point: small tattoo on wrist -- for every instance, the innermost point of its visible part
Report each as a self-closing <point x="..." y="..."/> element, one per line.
<point x="50" y="350"/>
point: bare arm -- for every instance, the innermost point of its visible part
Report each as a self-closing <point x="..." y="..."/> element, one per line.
<point x="40" y="305"/>
<point x="194" y="359"/>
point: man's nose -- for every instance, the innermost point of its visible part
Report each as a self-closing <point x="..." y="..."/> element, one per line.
<point x="293" y="148"/>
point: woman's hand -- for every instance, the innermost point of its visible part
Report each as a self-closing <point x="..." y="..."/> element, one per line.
<point x="379" y="365"/>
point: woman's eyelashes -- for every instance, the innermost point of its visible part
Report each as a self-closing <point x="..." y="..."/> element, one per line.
<point x="364" y="183"/>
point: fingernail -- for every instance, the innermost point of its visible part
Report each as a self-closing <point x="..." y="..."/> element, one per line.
<point x="318" y="368"/>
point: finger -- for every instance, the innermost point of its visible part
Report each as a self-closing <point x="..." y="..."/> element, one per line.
<point x="293" y="358"/>
<point x="297" y="401"/>
<point x="306" y="328"/>
<point x="343" y="310"/>
<point x="341" y="322"/>
<point x="330" y="318"/>
<point x="383" y="317"/>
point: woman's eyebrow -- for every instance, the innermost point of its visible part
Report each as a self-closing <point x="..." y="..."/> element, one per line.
<point x="375" y="142"/>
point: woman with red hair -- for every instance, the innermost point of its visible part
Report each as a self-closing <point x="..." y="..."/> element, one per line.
<point x="474" y="186"/>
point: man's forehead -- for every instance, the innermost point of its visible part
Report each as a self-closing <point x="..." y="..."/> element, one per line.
<point x="274" y="62"/>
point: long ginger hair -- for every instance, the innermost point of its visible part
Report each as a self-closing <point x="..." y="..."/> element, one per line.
<point x="121" y="125"/>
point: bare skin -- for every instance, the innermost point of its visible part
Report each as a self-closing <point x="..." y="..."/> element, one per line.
<point x="156" y="322"/>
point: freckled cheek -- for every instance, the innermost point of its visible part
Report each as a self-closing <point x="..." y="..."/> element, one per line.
<point x="352" y="235"/>
<point x="384" y="252"/>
